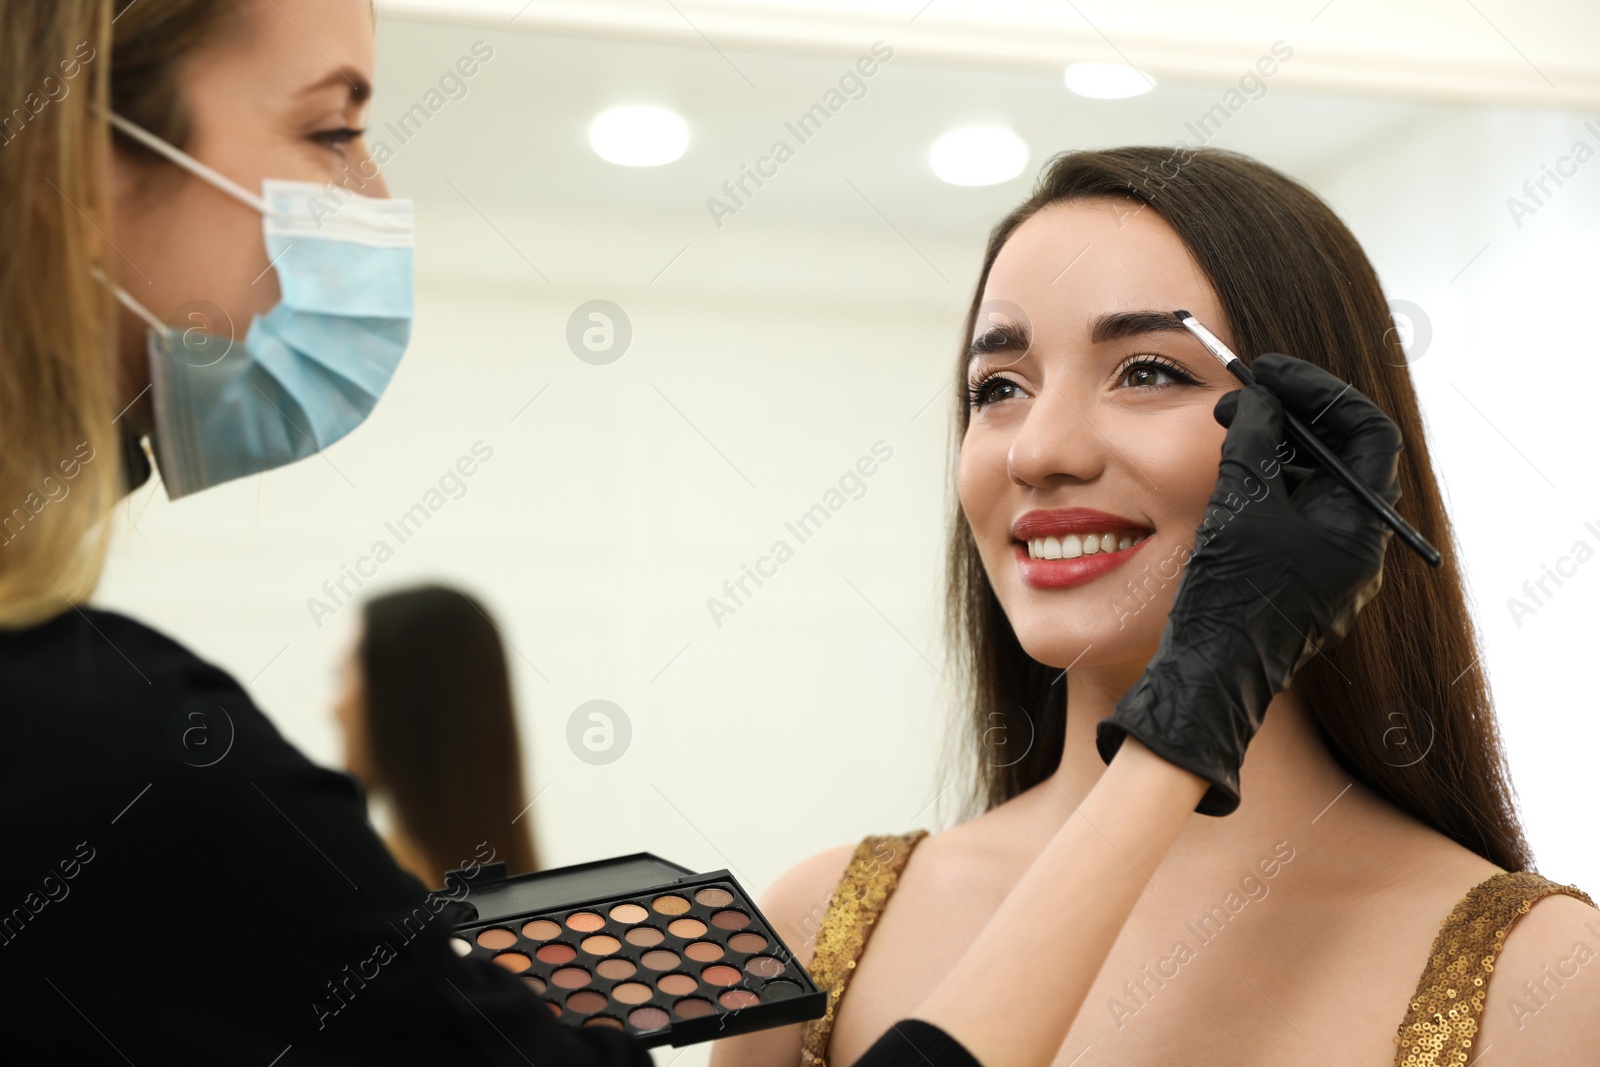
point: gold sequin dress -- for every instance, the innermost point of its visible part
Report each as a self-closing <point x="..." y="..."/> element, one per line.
<point x="1441" y="1021"/>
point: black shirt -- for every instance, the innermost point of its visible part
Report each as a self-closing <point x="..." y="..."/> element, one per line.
<point x="180" y="885"/>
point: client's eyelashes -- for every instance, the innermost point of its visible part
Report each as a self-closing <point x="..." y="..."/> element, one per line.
<point x="993" y="386"/>
<point x="983" y="391"/>
<point x="1158" y="364"/>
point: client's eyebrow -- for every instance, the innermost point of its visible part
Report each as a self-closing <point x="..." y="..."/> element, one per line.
<point x="1122" y="324"/>
<point x="1000" y="337"/>
<point x="1112" y="326"/>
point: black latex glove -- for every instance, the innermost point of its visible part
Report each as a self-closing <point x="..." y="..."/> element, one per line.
<point x="1285" y="560"/>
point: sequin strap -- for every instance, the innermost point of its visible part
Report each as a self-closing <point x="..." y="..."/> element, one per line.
<point x="857" y="901"/>
<point x="1441" y="1024"/>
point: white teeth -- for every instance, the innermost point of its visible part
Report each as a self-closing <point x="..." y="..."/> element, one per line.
<point x="1072" y="545"/>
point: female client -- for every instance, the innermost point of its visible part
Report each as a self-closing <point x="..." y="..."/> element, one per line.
<point x="1305" y="926"/>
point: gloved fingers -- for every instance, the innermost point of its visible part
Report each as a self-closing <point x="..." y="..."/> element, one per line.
<point x="1227" y="406"/>
<point x="1341" y="415"/>
<point x="1294" y="476"/>
<point x="1255" y="428"/>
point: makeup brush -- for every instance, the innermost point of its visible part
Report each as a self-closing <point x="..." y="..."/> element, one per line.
<point x="1302" y="435"/>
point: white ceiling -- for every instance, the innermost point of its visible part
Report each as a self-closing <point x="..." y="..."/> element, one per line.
<point x="1532" y="51"/>
<point x="515" y="146"/>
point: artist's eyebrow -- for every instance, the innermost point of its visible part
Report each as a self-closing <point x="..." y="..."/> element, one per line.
<point x="360" y="87"/>
<point x="1123" y="324"/>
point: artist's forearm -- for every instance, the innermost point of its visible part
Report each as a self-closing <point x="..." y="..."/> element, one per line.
<point x="1071" y="904"/>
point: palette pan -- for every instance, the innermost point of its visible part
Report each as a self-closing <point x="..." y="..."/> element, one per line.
<point x="640" y="945"/>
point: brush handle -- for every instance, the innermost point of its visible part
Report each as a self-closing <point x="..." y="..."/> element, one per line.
<point x="1302" y="435"/>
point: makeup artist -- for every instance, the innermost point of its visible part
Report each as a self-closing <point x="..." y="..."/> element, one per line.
<point x="180" y="884"/>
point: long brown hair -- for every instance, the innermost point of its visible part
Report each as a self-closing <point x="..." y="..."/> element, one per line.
<point x="441" y="728"/>
<point x="1402" y="703"/>
<point x="62" y="64"/>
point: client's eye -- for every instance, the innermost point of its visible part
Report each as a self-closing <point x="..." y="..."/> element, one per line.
<point x="1143" y="373"/>
<point x="987" y="390"/>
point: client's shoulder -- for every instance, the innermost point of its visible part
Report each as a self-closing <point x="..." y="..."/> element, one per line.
<point x="798" y="901"/>
<point x="957" y="859"/>
<point x="1545" y="1007"/>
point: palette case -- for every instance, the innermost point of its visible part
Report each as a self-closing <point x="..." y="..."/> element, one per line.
<point x="636" y="943"/>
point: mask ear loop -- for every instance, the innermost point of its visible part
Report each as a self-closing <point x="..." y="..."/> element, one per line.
<point x="188" y="163"/>
<point x="193" y="166"/>
<point x="126" y="299"/>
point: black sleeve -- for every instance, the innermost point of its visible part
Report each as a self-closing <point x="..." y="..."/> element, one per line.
<point x="182" y="886"/>
<point x="914" y="1043"/>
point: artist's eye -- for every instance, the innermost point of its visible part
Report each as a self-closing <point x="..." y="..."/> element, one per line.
<point x="1146" y="372"/>
<point x="990" y="388"/>
<point x="336" y="139"/>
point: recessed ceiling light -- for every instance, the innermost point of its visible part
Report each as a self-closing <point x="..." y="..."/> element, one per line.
<point x="978" y="155"/>
<point x="1108" y="81"/>
<point x="639" y="136"/>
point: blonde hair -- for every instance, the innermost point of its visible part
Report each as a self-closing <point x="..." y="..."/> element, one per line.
<point x="62" y="64"/>
<point x="59" y="458"/>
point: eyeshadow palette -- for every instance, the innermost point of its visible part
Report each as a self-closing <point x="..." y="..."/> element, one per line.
<point x="638" y="944"/>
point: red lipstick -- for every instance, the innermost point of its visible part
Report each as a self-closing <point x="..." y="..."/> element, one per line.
<point x="1060" y="523"/>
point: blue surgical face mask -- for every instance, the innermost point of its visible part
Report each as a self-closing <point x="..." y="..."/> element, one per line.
<point x="307" y="372"/>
